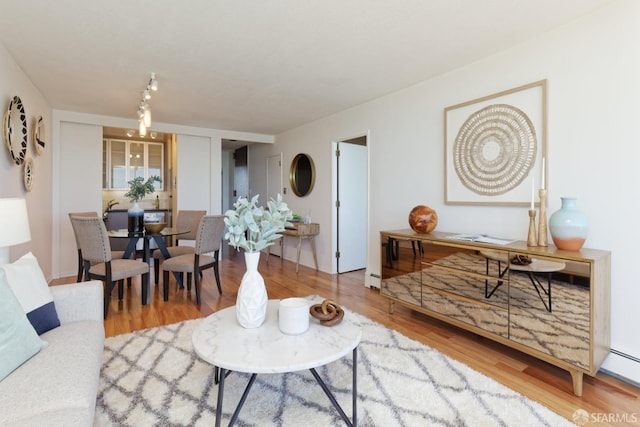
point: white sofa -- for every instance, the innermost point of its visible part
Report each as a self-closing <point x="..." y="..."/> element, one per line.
<point x="58" y="386"/>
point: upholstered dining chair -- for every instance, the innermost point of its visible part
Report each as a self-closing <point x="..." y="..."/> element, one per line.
<point x="99" y="263"/>
<point x="114" y="254"/>
<point x="186" y="220"/>
<point x="208" y="240"/>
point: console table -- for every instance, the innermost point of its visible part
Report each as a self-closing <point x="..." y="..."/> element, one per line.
<point x="476" y="287"/>
<point x="301" y="231"/>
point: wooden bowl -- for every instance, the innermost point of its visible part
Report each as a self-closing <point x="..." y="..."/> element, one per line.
<point x="154" y="227"/>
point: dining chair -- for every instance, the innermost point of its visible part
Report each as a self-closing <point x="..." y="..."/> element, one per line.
<point x="114" y="254"/>
<point x="208" y="240"/>
<point x="99" y="263"/>
<point x="186" y="220"/>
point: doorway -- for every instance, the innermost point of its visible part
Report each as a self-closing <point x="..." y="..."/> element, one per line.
<point x="274" y="177"/>
<point x="350" y="193"/>
<point x="241" y="173"/>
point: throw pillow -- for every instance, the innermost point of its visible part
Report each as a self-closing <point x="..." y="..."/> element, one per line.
<point x="30" y="288"/>
<point x="18" y="340"/>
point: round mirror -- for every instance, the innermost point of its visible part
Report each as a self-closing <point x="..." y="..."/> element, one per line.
<point x="302" y="175"/>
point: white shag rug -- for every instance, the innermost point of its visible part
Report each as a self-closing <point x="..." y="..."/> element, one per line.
<point x="154" y="378"/>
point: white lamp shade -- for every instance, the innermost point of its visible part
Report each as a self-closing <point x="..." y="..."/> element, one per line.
<point x="14" y="222"/>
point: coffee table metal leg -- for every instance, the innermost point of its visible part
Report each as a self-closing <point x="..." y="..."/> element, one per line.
<point x="222" y="373"/>
<point x="242" y="399"/>
<point x="220" y="394"/>
<point x="538" y="286"/>
<point x="354" y="390"/>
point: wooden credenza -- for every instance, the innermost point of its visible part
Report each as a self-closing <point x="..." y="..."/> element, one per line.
<point x="556" y="309"/>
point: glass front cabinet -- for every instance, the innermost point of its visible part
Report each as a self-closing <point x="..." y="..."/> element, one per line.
<point x="546" y="302"/>
<point x="123" y="161"/>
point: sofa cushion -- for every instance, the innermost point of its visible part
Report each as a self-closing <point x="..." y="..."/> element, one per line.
<point x="59" y="385"/>
<point x="30" y="288"/>
<point x="18" y="340"/>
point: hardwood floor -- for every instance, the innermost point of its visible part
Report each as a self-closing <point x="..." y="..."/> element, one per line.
<point x="608" y="400"/>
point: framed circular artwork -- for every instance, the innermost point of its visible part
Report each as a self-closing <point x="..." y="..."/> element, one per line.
<point x="27" y="173"/>
<point x="495" y="149"/>
<point x="38" y="135"/>
<point x="15" y="130"/>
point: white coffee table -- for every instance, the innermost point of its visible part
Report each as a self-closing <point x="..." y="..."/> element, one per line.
<point x="220" y="340"/>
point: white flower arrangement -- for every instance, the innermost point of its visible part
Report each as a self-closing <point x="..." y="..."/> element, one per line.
<point x="252" y="227"/>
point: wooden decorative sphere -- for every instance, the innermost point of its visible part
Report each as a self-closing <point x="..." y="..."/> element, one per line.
<point x="423" y="219"/>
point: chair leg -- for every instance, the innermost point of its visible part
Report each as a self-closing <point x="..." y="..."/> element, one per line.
<point x="80" y="262"/>
<point x="196" y="280"/>
<point x="120" y="289"/>
<point x="216" y="272"/>
<point x="189" y="281"/>
<point x="156" y="269"/>
<point x="108" y="287"/>
<point x="165" y="284"/>
<point x="106" y="298"/>
<point x="87" y="267"/>
<point x="129" y="282"/>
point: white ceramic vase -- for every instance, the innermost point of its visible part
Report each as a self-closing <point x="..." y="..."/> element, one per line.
<point x="251" y="304"/>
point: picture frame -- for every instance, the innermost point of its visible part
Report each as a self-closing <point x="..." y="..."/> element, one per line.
<point x="495" y="146"/>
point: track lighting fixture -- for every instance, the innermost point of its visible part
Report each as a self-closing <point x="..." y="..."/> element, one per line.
<point x="153" y="84"/>
<point x="146" y="117"/>
<point x="144" y="110"/>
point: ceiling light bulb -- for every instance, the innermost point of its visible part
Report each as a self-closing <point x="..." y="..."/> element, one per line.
<point x="142" y="129"/>
<point x="153" y="135"/>
<point x="154" y="82"/>
<point x="130" y="133"/>
<point x="146" y="94"/>
<point x="147" y="117"/>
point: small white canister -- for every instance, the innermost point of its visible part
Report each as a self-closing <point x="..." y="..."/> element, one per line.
<point x="293" y="316"/>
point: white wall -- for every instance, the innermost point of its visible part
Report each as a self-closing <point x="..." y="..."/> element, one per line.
<point x="14" y="82"/>
<point x="593" y="68"/>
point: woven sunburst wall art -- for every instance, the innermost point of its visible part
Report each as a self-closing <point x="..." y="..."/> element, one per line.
<point x="494" y="147"/>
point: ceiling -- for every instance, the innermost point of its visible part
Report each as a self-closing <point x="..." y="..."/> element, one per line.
<point x="260" y="66"/>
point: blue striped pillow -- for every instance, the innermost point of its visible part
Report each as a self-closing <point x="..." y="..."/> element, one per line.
<point x="30" y="288"/>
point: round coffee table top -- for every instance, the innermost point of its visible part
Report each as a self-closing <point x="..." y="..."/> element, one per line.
<point x="536" y="266"/>
<point x="220" y="340"/>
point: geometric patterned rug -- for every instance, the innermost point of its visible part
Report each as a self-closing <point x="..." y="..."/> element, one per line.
<point x="154" y="378"/>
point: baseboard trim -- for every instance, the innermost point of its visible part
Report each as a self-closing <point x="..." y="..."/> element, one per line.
<point x="622" y="366"/>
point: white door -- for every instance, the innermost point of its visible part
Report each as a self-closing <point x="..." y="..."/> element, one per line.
<point x="351" y="207"/>
<point x="194" y="173"/>
<point x="274" y="177"/>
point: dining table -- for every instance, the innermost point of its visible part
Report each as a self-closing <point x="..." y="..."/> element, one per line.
<point x="147" y="238"/>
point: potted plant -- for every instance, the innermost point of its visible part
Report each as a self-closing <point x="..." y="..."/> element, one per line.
<point x="254" y="228"/>
<point x="138" y="189"/>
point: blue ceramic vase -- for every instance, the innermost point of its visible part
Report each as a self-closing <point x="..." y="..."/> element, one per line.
<point x="568" y="226"/>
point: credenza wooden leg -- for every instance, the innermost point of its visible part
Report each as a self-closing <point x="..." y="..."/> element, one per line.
<point x="576" y="377"/>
